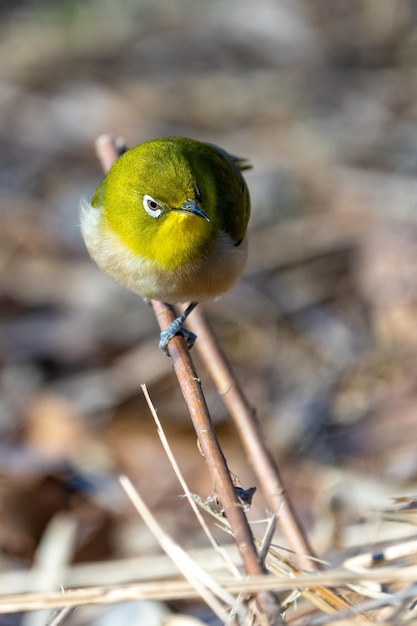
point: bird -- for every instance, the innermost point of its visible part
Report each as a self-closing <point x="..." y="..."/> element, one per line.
<point x="169" y="222"/>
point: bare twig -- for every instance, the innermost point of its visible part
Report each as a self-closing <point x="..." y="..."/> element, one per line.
<point x="191" y="389"/>
<point x="267" y="538"/>
<point x="223" y="553"/>
<point x="244" y="418"/>
<point x="194" y="398"/>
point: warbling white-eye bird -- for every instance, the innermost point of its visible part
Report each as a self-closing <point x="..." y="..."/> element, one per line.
<point x="169" y="222"/>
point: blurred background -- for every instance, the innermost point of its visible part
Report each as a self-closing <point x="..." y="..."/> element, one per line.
<point x="321" y="97"/>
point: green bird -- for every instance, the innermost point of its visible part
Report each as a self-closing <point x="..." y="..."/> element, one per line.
<point x="169" y="222"/>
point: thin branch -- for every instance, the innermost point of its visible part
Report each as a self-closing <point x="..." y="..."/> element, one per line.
<point x="223" y="553"/>
<point x="249" y="431"/>
<point x="216" y="462"/>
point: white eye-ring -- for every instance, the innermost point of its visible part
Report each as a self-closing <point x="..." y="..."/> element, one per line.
<point x="151" y="206"/>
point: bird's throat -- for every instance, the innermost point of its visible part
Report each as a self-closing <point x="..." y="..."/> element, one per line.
<point x="177" y="241"/>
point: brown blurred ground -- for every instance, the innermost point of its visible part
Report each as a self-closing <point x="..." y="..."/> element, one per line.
<point x="322" y="329"/>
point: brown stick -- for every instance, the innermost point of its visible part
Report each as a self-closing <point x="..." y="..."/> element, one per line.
<point x="194" y="398"/>
<point x="246" y="423"/>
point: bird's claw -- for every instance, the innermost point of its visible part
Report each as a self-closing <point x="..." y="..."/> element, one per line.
<point x="176" y="328"/>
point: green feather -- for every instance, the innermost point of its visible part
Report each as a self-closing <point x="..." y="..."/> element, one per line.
<point x="174" y="170"/>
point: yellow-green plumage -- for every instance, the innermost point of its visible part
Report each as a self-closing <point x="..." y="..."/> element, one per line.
<point x="169" y="220"/>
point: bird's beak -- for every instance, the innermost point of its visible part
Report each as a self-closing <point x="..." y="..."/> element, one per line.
<point x="192" y="207"/>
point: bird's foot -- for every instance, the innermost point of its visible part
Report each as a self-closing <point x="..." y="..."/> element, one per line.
<point x="173" y="330"/>
<point x="176" y="328"/>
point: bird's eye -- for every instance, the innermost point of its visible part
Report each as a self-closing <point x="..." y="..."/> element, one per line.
<point x="151" y="206"/>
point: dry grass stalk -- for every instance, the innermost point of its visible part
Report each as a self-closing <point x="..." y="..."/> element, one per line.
<point x="321" y="597"/>
<point x="55" y="551"/>
<point x="117" y="571"/>
<point x="210" y="590"/>
<point x="59" y="615"/>
<point x="223" y="553"/>
<point x="182" y="589"/>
